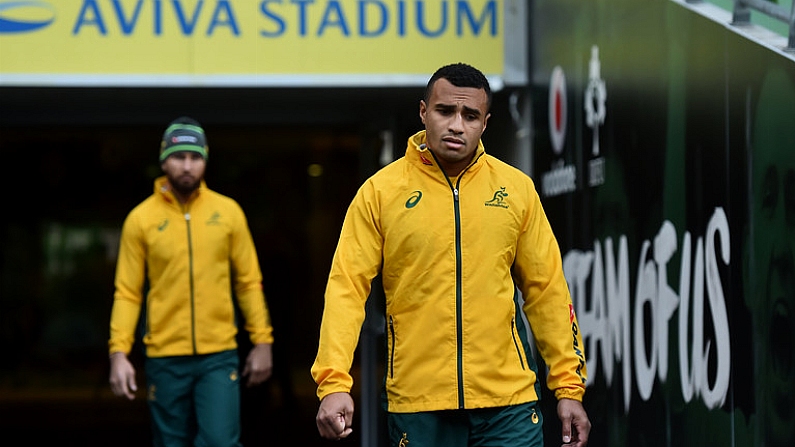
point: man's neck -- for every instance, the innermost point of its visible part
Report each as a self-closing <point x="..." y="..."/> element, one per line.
<point x="182" y="196"/>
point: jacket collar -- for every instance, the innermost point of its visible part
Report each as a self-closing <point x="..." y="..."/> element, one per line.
<point x="163" y="189"/>
<point x="417" y="152"/>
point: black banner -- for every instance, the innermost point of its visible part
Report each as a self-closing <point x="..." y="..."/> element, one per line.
<point x="665" y="156"/>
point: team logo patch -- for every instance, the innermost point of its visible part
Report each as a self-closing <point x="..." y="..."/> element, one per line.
<point x="498" y="199"/>
<point x="214" y="219"/>
<point x="151" y="394"/>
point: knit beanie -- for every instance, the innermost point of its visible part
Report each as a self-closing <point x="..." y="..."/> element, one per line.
<point x="183" y="134"/>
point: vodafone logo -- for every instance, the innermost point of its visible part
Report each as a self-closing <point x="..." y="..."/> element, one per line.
<point x="557" y="109"/>
<point x="561" y="178"/>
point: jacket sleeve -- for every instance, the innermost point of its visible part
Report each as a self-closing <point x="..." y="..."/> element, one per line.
<point x="547" y="304"/>
<point x="357" y="260"/>
<point x="129" y="284"/>
<point x="247" y="280"/>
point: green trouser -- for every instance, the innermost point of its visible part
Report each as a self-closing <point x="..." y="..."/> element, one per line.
<point x="194" y="400"/>
<point x="511" y="426"/>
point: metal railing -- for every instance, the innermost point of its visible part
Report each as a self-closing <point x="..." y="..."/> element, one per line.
<point x="742" y="15"/>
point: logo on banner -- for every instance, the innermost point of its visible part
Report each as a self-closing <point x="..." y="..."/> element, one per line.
<point x="595" y="111"/>
<point x="561" y="178"/>
<point x="25" y="16"/>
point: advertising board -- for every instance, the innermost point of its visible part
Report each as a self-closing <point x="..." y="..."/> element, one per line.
<point x="256" y="43"/>
<point x="664" y="156"/>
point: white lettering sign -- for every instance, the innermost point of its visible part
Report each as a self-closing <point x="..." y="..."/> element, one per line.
<point x="606" y="321"/>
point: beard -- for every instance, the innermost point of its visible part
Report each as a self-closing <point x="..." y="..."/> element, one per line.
<point x="185" y="184"/>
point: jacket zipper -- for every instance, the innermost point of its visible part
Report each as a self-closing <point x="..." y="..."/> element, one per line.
<point x="458" y="281"/>
<point x="190" y="280"/>
<point x="458" y="294"/>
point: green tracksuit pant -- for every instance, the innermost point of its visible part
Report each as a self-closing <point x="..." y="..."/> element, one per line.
<point x="194" y="401"/>
<point x="511" y="426"/>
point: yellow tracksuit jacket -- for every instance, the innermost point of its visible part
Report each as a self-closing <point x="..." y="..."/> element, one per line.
<point x="193" y="257"/>
<point x="452" y="252"/>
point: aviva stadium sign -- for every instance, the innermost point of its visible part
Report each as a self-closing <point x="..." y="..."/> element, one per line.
<point x="257" y="42"/>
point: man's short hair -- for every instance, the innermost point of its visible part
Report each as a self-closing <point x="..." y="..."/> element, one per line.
<point x="460" y="75"/>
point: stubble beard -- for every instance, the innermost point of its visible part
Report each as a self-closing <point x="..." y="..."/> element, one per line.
<point x="185" y="186"/>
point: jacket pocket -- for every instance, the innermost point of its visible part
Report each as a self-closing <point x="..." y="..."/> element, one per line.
<point x="392" y="349"/>
<point x="516" y="343"/>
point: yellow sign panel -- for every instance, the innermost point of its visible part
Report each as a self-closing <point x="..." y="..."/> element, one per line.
<point x="244" y="41"/>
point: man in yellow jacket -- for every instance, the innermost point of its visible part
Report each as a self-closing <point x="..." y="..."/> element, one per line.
<point x="186" y="254"/>
<point x="454" y="233"/>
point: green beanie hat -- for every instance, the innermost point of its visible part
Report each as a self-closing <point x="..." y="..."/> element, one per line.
<point x="183" y="134"/>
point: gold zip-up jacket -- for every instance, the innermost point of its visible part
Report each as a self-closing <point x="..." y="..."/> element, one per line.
<point x="192" y="257"/>
<point x="452" y="252"/>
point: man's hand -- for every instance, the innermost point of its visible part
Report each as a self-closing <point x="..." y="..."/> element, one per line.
<point x="122" y="376"/>
<point x="259" y="364"/>
<point x="576" y="425"/>
<point x="335" y="416"/>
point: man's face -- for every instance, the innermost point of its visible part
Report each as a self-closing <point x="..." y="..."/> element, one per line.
<point x="454" y="118"/>
<point x="771" y="264"/>
<point x="774" y="245"/>
<point x="185" y="171"/>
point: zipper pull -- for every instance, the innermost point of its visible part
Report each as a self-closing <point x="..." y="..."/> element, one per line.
<point x="187" y="217"/>
<point x="455" y="194"/>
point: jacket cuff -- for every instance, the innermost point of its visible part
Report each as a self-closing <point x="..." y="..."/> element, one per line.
<point x="569" y="393"/>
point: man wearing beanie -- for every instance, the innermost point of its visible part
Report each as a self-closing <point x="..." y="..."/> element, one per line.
<point x="186" y="254"/>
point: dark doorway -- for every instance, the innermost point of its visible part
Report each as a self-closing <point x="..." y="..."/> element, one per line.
<point x="70" y="187"/>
